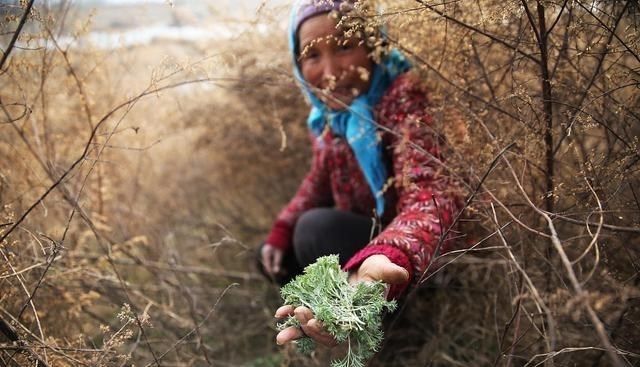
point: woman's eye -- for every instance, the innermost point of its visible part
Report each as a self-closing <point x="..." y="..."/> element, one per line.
<point x="308" y="53"/>
<point x="345" y="45"/>
<point x="309" y="56"/>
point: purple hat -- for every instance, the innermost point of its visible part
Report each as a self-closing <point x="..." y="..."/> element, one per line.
<point x="311" y="8"/>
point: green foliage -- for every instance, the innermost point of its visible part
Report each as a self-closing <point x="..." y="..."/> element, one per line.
<point x="352" y="314"/>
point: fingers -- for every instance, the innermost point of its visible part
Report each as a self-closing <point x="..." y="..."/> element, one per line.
<point x="267" y="259"/>
<point x="394" y="274"/>
<point x="284" y="311"/>
<point x="288" y="335"/>
<point x="272" y="259"/>
<point x="390" y="274"/>
<point x="313" y="328"/>
<point x="291" y="333"/>
<point x="309" y="326"/>
<point x="317" y="332"/>
<point x="277" y="261"/>
<point x="303" y="314"/>
<point x="379" y="267"/>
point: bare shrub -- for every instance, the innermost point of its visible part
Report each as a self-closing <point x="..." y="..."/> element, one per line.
<point x="135" y="187"/>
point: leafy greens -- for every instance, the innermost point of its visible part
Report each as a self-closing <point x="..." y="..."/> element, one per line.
<point x="351" y="313"/>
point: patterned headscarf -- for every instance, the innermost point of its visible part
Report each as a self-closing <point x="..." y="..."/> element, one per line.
<point x="356" y="122"/>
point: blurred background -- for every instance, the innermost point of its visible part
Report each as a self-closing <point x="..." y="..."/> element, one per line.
<point x="146" y="147"/>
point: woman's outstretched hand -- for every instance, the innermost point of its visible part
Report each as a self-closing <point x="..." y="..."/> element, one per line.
<point x="374" y="268"/>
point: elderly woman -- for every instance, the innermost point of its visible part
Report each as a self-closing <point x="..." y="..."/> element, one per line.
<point x="376" y="193"/>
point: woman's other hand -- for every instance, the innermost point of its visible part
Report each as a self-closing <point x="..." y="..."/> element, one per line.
<point x="272" y="259"/>
<point x="374" y="268"/>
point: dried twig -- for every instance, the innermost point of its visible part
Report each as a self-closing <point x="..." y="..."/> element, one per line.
<point x="16" y="33"/>
<point x="577" y="287"/>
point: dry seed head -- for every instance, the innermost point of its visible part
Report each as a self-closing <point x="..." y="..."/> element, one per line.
<point x="364" y="73"/>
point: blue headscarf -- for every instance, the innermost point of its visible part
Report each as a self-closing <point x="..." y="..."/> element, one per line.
<point x="356" y="122"/>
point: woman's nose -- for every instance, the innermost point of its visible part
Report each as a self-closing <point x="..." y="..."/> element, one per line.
<point x="330" y="70"/>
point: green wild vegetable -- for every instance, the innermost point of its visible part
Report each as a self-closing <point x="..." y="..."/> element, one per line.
<point x="352" y="314"/>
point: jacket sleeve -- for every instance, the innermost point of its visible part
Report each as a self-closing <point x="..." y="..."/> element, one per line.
<point x="314" y="191"/>
<point x="427" y="198"/>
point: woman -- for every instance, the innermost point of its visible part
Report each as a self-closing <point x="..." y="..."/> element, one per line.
<point x="377" y="192"/>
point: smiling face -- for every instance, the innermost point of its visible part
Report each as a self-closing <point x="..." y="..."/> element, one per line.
<point x="337" y="68"/>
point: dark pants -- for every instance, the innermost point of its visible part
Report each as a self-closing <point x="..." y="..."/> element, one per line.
<point x="320" y="232"/>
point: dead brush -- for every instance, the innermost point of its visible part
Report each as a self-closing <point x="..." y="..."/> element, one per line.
<point x="118" y="182"/>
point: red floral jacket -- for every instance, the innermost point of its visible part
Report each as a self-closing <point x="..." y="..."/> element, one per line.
<point x="419" y="205"/>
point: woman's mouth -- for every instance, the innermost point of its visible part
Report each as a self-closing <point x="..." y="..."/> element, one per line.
<point x="339" y="97"/>
<point x="342" y="92"/>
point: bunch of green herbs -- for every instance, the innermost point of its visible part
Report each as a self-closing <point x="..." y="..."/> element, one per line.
<point x="351" y="313"/>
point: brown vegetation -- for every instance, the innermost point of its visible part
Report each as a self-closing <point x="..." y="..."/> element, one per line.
<point x="134" y="188"/>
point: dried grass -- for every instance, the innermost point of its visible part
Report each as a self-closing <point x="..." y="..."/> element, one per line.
<point x="143" y="251"/>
